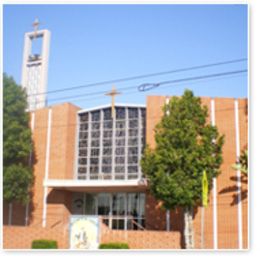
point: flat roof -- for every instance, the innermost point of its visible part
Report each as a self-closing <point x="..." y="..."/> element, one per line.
<point x="97" y="185"/>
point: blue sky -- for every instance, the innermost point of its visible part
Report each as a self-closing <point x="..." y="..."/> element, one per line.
<point x="94" y="43"/>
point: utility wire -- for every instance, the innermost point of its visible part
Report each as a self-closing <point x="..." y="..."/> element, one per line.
<point x="148" y="86"/>
<point x="89" y="94"/>
<point x="135" y="91"/>
<point x="141" y="76"/>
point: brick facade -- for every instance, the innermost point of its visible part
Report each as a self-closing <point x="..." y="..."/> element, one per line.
<point x="61" y="166"/>
<point x="227" y="198"/>
<point x="142" y="239"/>
<point x="21" y="237"/>
<point x="61" y="163"/>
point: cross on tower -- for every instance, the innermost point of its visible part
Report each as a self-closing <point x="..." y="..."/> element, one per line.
<point x="113" y="93"/>
<point x="35" y="25"/>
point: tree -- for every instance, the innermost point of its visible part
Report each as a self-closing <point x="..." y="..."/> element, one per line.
<point x="17" y="145"/>
<point x="185" y="146"/>
<point x="242" y="163"/>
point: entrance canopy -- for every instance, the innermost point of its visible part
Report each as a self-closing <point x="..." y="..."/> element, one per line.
<point x="98" y="185"/>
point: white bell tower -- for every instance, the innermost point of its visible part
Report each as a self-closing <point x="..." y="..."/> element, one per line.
<point x="35" y="67"/>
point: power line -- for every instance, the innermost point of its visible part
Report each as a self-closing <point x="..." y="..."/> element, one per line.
<point x="142" y="76"/>
<point x="89" y="94"/>
<point x="135" y="91"/>
<point x="148" y="86"/>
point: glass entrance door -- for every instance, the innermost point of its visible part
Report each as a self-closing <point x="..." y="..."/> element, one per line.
<point x="103" y="204"/>
<point x="119" y="210"/>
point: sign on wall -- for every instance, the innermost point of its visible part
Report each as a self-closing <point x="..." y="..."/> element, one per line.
<point x="84" y="232"/>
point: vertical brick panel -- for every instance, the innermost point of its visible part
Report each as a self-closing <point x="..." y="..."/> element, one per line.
<point x="208" y="211"/>
<point x="227" y="190"/>
<point x="154" y="105"/>
<point x="39" y="140"/>
<point x="243" y="127"/>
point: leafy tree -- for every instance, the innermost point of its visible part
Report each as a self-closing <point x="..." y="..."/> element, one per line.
<point x="17" y="145"/>
<point x="242" y="163"/>
<point x="185" y="146"/>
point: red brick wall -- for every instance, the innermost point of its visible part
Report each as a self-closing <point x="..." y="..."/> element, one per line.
<point x="226" y="182"/>
<point x="22" y="237"/>
<point x="142" y="239"/>
<point x="61" y="166"/>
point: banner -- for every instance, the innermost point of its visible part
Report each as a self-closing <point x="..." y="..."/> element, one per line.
<point x="204" y="189"/>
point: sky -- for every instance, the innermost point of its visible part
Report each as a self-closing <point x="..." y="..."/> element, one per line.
<point x="96" y="43"/>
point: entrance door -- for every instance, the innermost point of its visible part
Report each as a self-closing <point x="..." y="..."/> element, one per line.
<point x="119" y="211"/>
<point x="103" y="207"/>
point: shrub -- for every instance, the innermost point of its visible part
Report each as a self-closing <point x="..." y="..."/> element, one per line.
<point x="114" y="246"/>
<point x="44" y="244"/>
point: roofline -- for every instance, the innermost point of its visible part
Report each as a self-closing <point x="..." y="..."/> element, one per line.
<point x="109" y="105"/>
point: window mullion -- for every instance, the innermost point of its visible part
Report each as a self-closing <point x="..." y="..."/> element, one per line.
<point x="89" y="144"/>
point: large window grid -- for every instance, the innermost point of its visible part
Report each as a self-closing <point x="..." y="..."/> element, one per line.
<point x="111" y="149"/>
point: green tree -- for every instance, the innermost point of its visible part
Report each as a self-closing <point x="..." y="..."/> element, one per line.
<point x="185" y="146"/>
<point x="17" y="145"/>
<point x="242" y="163"/>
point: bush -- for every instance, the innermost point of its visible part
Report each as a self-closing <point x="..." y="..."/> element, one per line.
<point x="114" y="246"/>
<point x="44" y="244"/>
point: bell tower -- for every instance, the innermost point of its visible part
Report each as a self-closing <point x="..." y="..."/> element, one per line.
<point x="35" y="66"/>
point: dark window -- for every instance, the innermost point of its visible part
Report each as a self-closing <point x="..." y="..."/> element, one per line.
<point x="83" y="152"/>
<point x="107" y="124"/>
<point x="82" y="160"/>
<point x="132" y="112"/>
<point x="95" y="116"/>
<point x="107" y="114"/>
<point x="84" y="117"/>
<point x="120" y="113"/>
<point x="83" y="127"/>
<point x="120" y="151"/>
<point x="95" y="126"/>
<point x="95" y="134"/>
<point x="82" y="169"/>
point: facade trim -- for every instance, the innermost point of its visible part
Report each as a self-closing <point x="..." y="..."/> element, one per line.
<point x="139" y="142"/>
<point x="46" y="176"/>
<point x="126" y="140"/>
<point x="76" y="155"/>
<point x="30" y="165"/>
<point x="109" y="105"/>
<point x="214" y="186"/>
<point x="238" y="172"/>
<point x="101" y="142"/>
<point x="60" y="183"/>
<point x="168" y="215"/>
<point x="113" y="155"/>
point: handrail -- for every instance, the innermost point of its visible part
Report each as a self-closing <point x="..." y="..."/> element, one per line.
<point x="137" y="224"/>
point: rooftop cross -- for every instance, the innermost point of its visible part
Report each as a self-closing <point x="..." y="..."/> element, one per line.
<point x="35" y="26"/>
<point x="113" y="93"/>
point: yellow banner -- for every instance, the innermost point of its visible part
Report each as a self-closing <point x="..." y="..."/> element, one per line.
<point x="204" y="189"/>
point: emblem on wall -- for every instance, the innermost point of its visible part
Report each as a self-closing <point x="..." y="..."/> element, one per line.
<point x="84" y="232"/>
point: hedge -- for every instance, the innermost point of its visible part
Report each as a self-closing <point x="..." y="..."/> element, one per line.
<point x="44" y="244"/>
<point x="114" y="246"/>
